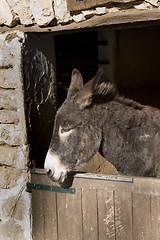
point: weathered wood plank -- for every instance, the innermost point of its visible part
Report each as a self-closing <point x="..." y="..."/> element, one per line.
<point x="89" y="214"/>
<point x="61" y="216"/>
<point x="141" y="217"/>
<point x="38" y="217"/>
<point x="74" y="5"/>
<point x="140" y="185"/>
<point x="49" y="214"/>
<point x="100" y="209"/>
<point x="44" y="213"/>
<point x="106" y="220"/>
<point x="115" y="20"/>
<point x="69" y="216"/>
<point x="123" y="215"/>
<point x="155" y="211"/>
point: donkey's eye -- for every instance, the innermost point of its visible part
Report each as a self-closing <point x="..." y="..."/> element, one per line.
<point x="65" y="130"/>
<point x="64" y="133"/>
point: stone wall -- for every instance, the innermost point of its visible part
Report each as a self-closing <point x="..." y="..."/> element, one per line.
<point x="14" y="200"/>
<point x="55" y="12"/>
<point x="27" y="110"/>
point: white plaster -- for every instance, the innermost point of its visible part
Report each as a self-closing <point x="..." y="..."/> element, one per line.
<point x="153" y="2"/>
<point x="79" y="18"/>
<point x="13" y="196"/>
<point x="26" y="224"/>
<point x="143" y="6"/>
<point x="6" y="16"/>
<point x="18" y="191"/>
<point x="89" y="13"/>
<point x="101" y="10"/>
<point x="22" y="157"/>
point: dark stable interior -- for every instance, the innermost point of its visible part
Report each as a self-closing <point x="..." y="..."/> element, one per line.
<point x="136" y="65"/>
<point x="78" y="50"/>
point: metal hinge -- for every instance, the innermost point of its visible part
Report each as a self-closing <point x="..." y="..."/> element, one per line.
<point x="50" y="188"/>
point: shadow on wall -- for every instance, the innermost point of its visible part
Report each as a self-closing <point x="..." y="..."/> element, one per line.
<point x="40" y="94"/>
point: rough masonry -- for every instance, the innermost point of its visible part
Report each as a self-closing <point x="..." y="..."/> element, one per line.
<point x="27" y="109"/>
<point x="14" y="200"/>
<point x="55" y="12"/>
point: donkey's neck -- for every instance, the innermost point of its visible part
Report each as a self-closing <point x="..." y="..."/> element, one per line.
<point x="128" y="102"/>
<point x="121" y="117"/>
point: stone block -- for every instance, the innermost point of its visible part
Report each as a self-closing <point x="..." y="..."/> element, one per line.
<point x="61" y="12"/>
<point x="8" y="78"/>
<point x="101" y="10"/>
<point x="42" y="11"/>
<point x="79" y="18"/>
<point x="8" y="155"/>
<point x="6" y="57"/>
<point x="9" y="100"/>
<point x="9" y="176"/>
<point x="10" y="134"/>
<point x="9" y="116"/>
<point x="10" y="50"/>
<point x="22" y="9"/>
<point x="6" y="16"/>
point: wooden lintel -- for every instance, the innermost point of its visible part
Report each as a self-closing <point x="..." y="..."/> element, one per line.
<point x="121" y="19"/>
<point x="75" y="5"/>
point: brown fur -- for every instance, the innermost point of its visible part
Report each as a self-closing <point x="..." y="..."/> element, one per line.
<point x="123" y="131"/>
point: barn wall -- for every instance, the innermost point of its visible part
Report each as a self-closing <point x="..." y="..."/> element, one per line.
<point x="14" y="200"/>
<point x="27" y="89"/>
<point x="55" y="12"/>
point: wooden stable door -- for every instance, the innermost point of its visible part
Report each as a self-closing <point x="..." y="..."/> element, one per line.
<point x="96" y="207"/>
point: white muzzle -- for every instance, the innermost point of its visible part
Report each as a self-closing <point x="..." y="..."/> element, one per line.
<point x="54" y="168"/>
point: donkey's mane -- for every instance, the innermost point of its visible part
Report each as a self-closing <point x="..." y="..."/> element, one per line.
<point x="110" y="92"/>
<point x="129" y="102"/>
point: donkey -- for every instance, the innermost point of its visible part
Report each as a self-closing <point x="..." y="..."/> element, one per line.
<point x="94" y="117"/>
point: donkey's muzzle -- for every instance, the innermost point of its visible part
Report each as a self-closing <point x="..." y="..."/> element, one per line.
<point x="54" y="168"/>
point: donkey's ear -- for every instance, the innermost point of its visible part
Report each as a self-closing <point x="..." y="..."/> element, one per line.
<point x="85" y="95"/>
<point x="97" y="80"/>
<point x="76" y="83"/>
<point x="101" y="87"/>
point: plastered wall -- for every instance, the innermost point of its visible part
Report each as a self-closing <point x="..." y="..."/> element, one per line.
<point x="14" y="200"/>
<point x="55" y="12"/>
<point x="27" y="109"/>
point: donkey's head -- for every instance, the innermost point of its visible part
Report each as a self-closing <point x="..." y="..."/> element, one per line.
<point x="76" y="135"/>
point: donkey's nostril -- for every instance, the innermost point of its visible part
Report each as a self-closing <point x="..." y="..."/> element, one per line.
<point x="50" y="172"/>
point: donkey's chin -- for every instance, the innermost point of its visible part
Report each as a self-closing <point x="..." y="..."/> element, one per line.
<point x="54" y="168"/>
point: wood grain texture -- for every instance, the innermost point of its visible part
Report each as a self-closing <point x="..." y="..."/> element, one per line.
<point x="116" y="20"/>
<point x="89" y="211"/>
<point x="69" y="216"/>
<point x="106" y="214"/>
<point x="141" y="217"/>
<point x="155" y="217"/>
<point x="74" y="5"/>
<point x="100" y="209"/>
<point x="123" y="215"/>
